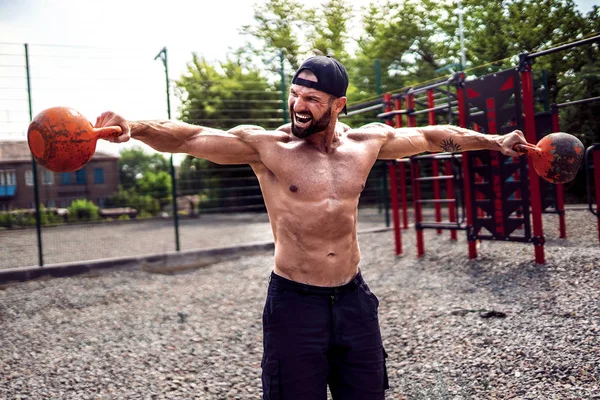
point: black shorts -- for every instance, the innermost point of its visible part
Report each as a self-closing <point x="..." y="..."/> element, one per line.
<point x="315" y="336"/>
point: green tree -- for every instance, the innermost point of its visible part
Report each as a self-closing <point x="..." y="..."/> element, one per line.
<point x="228" y="94"/>
<point x="135" y="162"/>
<point x="157" y="185"/>
<point x="330" y="35"/>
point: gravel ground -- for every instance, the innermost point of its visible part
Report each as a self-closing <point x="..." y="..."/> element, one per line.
<point x="84" y="242"/>
<point x="499" y="327"/>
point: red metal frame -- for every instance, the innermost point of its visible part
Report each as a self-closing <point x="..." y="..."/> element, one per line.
<point x="534" y="183"/>
<point x="398" y="106"/>
<point x="435" y="163"/>
<point x="395" y="212"/>
<point x="410" y="105"/>
<point x="449" y="195"/>
<point x="414" y="171"/>
<point x="462" y="121"/>
<point x="387" y="101"/>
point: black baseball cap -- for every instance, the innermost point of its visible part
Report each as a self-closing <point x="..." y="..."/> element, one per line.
<point x="332" y="77"/>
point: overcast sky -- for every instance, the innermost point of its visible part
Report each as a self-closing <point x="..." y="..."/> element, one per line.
<point x="127" y="78"/>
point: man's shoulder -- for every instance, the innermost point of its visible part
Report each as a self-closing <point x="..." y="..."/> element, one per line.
<point x="255" y="133"/>
<point x="370" y="131"/>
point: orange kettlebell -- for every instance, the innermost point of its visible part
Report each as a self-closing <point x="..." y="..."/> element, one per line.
<point x="63" y="140"/>
<point x="556" y="158"/>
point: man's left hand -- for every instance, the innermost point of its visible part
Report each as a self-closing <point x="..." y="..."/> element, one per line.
<point x="507" y="142"/>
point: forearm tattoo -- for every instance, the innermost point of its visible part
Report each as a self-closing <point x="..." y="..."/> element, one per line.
<point x="449" y="146"/>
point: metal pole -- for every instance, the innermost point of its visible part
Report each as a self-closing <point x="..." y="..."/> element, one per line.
<point x="463" y="59"/>
<point x="395" y="212"/>
<point x="36" y="194"/>
<point x="534" y="179"/>
<point x="163" y="56"/>
<point x="284" y="105"/>
<point x="378" y="77"/>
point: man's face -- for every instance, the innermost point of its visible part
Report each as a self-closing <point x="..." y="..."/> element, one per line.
<point x="310" y="109"/>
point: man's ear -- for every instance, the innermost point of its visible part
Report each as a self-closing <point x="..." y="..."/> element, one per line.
<point x="339" y="103"/>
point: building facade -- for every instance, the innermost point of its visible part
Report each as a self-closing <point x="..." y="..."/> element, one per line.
<point x="97" y="181"/>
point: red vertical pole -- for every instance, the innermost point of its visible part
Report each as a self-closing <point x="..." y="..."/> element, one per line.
<point x="462" y="121"/>
<point x="431" y="106"/>
<point x="435" y="163"/>
<point x="398" y="106"/>
<point x="395" y="214"/>
<point x="534" y="180"/>
<point x="414" y="169"/>
<point x="560" y="189"/>
<point x="435" y="170"/>
<point x="410" y="107"/>
<point x="450" y="195"/>
<point x="597" y="183"/>
<point x="387" y="100"/>
<point x="401" y="165"/>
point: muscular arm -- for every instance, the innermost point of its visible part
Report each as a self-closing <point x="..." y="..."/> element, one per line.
<point x="236" y="146"/>
<point x="403" y="142"/>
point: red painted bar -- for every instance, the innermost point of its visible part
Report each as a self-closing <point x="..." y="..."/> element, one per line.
<point x="410" y="105"/>
<point x="395" y="213"/>
<point x="402" y="166"/>
<point x="431" y="105"/>
<point x="435" y="170"/>
<point x="450" y="195"/>
<point x="398" y="106"/>
<point x="462" y="121"/>
<point x="534" y="180"/>
<point x="414" y="169"/>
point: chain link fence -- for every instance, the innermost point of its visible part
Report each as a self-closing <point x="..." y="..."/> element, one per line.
<point x="122" y="203"/>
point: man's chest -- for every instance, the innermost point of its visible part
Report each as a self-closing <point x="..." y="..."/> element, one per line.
<point x="309" y="174"/>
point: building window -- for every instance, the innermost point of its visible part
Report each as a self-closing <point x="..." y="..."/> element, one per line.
<point x="65" y="178"/>
<point x="98" y="175"/>
<point x="80" y="177"/>
<point x="47" y="177"/>
<point x="8" y="182"/>
<point x="29" y="178"/>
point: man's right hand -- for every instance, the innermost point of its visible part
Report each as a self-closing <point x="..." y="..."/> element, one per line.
<point x="110" y="118"/>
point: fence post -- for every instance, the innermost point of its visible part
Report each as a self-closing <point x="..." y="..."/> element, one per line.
<point x="284" y="104"/>
<point x="36" y="194"/>
<point x="163" y="56"/>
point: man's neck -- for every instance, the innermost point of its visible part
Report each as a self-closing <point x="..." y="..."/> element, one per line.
<point x="327" y="140"/>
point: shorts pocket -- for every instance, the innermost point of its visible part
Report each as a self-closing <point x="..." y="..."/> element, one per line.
<point x="270" y="378"/>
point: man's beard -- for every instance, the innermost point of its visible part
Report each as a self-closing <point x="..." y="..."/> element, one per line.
<point x="314" y="126"/>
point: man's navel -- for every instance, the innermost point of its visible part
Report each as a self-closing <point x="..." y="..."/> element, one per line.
<point x="293" y="188"/>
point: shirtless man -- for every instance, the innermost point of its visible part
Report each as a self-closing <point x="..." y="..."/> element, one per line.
<point x="320" y="323"/>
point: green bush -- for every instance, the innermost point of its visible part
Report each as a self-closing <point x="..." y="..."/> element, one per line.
<point x="23" y="218"/>
<point x="83" y="210"/>
<point x="7" y="220"/>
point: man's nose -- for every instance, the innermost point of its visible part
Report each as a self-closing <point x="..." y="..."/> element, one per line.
<point x="299" y="105"/>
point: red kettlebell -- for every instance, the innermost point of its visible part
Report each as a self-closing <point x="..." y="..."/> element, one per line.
<point x="556" y="158"/>
<point x="63" y="140"/>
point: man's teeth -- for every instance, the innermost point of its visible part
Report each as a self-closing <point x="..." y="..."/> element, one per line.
<point x="303" y="118"/>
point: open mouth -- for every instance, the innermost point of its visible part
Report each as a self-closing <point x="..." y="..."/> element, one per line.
<point x="302" y="119"/>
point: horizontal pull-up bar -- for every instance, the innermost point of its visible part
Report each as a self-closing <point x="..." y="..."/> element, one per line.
<point x="561" y="48"/>
<point x="570" y="103"/>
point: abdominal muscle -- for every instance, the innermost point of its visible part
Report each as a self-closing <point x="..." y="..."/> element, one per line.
<point x="316" y="244"/>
